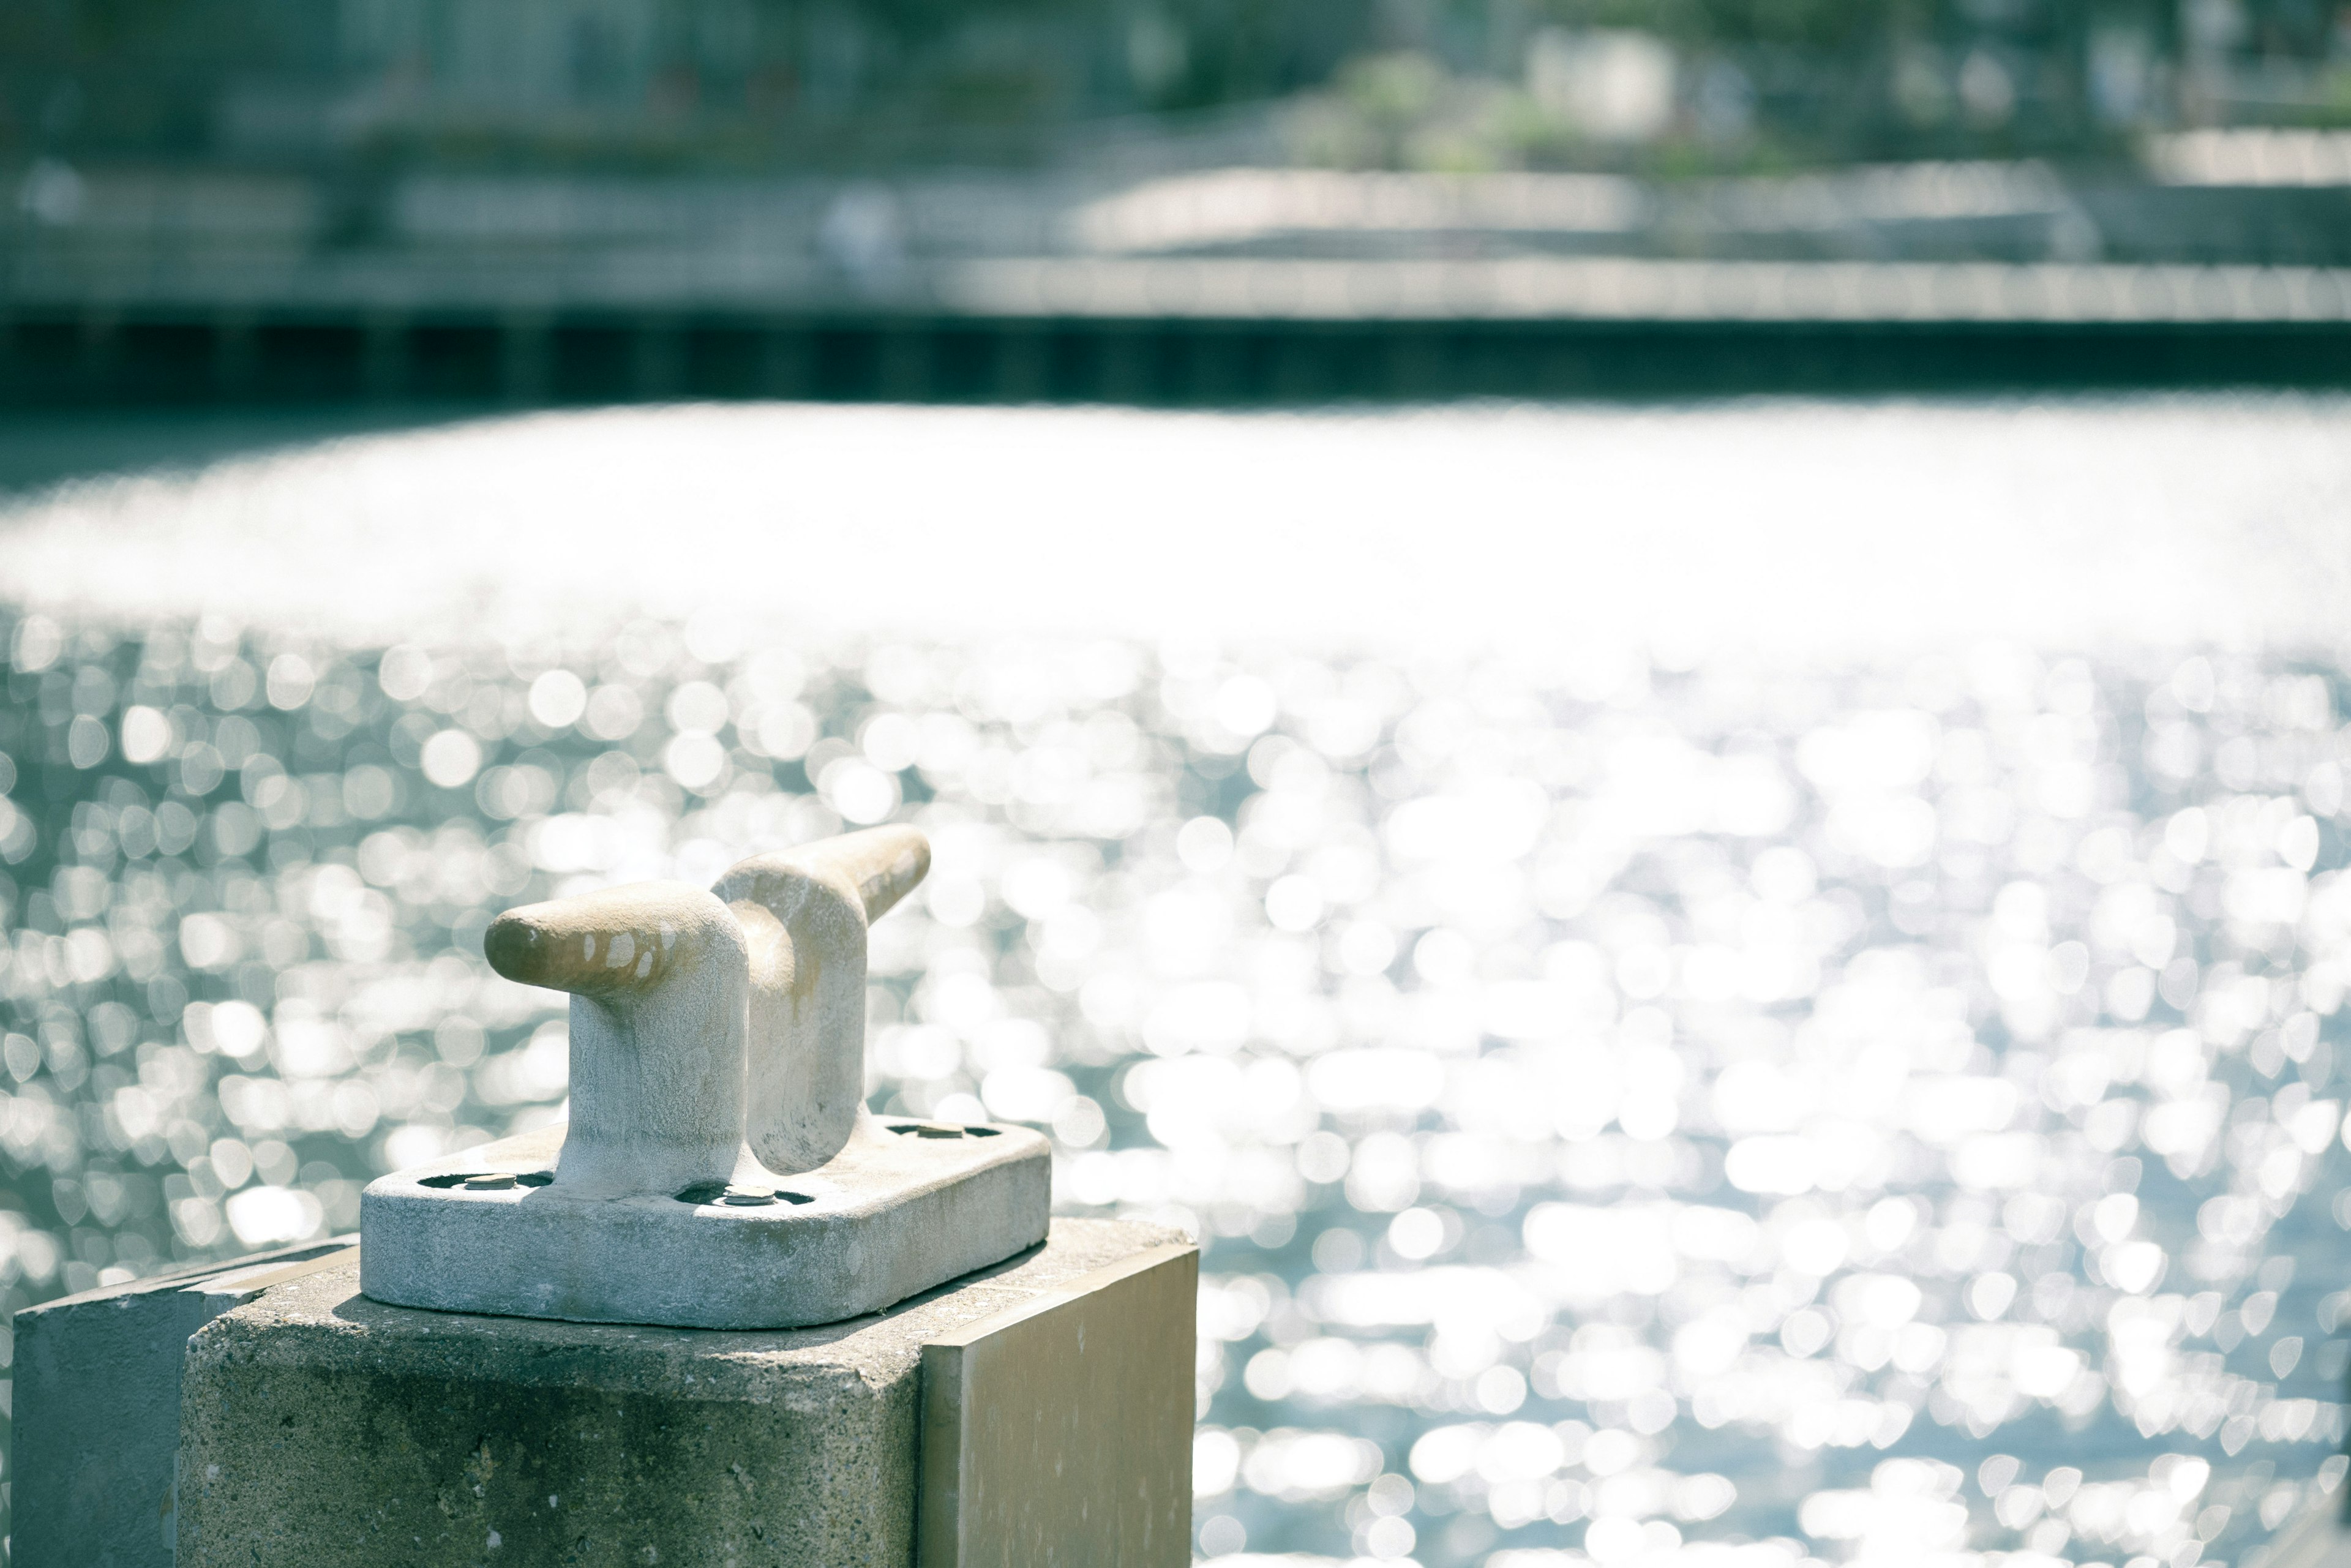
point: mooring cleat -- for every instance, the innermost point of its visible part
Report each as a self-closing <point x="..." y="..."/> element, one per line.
<point x="719" y="1169"/>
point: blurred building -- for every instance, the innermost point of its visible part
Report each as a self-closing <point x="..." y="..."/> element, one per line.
<point x="1188" y="199"/>
<point x="630" y="83"/>
<point x="761" y="84"/>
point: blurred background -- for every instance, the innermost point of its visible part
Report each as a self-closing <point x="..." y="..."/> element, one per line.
<point x="1188" y="202"/>
<point x="1648" y="701"/>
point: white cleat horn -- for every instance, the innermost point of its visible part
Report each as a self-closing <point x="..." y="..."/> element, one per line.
<point x="804" y="913"/>
<point x="657" y="976"/>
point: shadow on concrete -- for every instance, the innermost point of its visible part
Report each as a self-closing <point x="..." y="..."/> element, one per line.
<point x="361" y="1312"/>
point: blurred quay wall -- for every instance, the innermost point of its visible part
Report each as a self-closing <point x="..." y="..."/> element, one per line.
<point x="1188" y="201"/>
<point x="2220" y="257"/>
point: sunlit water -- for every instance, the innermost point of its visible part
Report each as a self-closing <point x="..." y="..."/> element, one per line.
<point x="1791" y="1081"/>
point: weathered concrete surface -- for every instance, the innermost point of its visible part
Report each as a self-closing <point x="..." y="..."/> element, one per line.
<point x="322" y="1430"/>
<point x="97" y="1407"/>
<point x="906" y="1207"/>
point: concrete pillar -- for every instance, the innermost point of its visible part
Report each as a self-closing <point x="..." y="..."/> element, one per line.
<point x="788" y="362"/>
<point x="236" y="356"/>
<point x="384" y="356"/>
<point x="100" y="368"/>
<point x="525" y="357"/>
<point x="657" y="360"/>
<point x="321" y="1428"/>
<point x="964" y="1381"/>
<point x="1022" y="365"/>
<point x="903" y="369"/>
<point x="97" y="1417"/>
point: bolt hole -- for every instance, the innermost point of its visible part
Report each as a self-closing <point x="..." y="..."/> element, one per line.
<point x="486" y="1181"/>
<point x="925" y="1130"/>
<point x="728" y="1196"/>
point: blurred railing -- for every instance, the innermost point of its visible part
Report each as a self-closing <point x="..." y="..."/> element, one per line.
<point x="2227" y="258"/>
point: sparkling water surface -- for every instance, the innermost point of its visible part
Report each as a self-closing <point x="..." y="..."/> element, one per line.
<point x="1662" y="1093"/>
